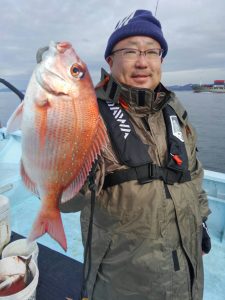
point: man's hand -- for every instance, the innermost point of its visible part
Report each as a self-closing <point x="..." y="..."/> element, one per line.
<point x="206" y="241"/>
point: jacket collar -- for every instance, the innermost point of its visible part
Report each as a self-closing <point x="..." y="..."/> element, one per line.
<point x="140" y="100"/>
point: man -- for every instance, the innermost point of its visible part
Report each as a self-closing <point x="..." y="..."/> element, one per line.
<point x="150" y="206"/>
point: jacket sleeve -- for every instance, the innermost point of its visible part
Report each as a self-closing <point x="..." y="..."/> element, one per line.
<point x="197" y="172"/>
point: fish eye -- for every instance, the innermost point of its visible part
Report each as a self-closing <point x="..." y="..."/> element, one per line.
<point x="77" y="71"/>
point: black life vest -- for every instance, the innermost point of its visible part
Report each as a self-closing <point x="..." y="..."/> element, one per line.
<point x="132" y="152"/>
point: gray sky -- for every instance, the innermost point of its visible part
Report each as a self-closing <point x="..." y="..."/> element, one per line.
<point x="194" y="30"/>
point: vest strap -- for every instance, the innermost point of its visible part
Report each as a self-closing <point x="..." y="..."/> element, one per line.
<point x="146" y="173"/>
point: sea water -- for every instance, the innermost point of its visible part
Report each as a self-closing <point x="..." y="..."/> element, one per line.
<point x="206" y="111"/>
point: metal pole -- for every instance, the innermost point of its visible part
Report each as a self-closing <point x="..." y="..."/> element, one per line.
<point x="156" y="7"/>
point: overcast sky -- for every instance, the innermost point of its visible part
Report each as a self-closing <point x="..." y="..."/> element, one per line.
<point x="194" y="30"/>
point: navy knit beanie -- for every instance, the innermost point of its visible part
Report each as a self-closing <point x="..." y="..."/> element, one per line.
<point x="140" y="22"/>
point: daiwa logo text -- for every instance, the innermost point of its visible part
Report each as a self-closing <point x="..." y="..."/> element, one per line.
<point x="118" y="115"/>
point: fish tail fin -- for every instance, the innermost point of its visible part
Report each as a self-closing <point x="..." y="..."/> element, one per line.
<point x="50" y="223"/>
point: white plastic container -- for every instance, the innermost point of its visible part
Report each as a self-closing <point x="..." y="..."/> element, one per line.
<point x="23" y="248"/>
<point x="5" y="229"/>
<point x="13" y="265"/>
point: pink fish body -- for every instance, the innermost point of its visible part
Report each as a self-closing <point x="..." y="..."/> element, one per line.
<point x="62" y="134"/>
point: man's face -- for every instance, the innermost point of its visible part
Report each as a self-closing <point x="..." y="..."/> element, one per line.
<point x="142" y="72"/>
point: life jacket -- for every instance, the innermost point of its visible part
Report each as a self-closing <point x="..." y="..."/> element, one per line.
<point x="133" y="153"/>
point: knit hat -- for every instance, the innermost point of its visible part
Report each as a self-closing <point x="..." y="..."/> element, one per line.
<point x="140" y="22"/>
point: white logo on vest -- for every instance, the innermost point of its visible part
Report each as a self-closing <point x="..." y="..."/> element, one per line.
<point x="176" y="128"/>
<point x="118" y="115"/>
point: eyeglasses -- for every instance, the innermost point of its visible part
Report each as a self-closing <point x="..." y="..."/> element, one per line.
<point x="133" y="54"/>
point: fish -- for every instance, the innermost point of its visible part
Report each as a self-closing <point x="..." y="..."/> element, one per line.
<point x="7" y="280"/>
<point x="28" y="276"/>
<point x="13" y="283"/>
<point x="62" y="134"/>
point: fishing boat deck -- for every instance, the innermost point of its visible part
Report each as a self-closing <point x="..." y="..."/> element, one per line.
<point x="24" y="210"/>
<point x="66" y="270"/>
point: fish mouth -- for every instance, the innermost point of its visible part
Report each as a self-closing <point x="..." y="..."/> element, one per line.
<point x="63" y="46"/>
<point x="59" y="46"/>
<point x="47" y="77"/>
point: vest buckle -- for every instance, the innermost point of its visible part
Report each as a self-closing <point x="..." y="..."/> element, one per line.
<point x="145" y="173"/>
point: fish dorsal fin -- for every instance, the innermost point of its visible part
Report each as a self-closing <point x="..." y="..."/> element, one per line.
<point x="99" y="142"/>
<point x="27" y="181"/>
<point x="14" y="122"/>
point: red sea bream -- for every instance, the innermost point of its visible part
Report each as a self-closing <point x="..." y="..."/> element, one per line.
<point x="62" y="134"/>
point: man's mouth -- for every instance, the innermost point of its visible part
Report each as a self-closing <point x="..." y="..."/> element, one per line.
<point x="139" y="76"/>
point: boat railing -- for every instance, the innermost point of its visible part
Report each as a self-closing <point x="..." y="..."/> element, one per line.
<point x="214" y="185"/>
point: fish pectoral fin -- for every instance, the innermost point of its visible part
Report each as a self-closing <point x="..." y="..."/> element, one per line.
<point x="42" y="102"/>
<point x="51" y="223"/>
<point x="14" y="122"/>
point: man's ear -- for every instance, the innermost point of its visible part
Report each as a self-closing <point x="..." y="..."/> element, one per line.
<point x="109" y="60"/>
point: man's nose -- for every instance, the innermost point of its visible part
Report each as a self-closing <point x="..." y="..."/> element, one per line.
<point x="141" y="60"/>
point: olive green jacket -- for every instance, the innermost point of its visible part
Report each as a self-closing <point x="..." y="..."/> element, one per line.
<point x="146" y="245"/>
